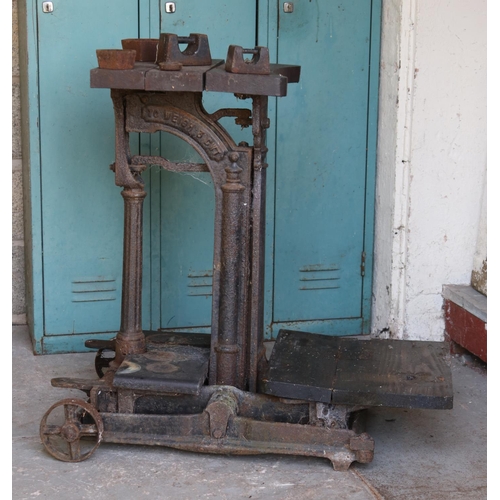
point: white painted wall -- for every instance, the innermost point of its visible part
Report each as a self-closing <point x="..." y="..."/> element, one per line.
<point x="432" y="160"/>
<point x="479" y="268"/>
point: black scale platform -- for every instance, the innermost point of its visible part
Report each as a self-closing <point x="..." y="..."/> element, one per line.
<point x="307" y="366"/>
<point x="173" y="363"/>
<point x="349" y="371"/>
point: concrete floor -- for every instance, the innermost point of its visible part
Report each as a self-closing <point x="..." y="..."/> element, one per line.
<point x="431" y="454"/>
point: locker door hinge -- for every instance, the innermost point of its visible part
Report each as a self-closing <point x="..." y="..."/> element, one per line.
<point x="363" y="262"/>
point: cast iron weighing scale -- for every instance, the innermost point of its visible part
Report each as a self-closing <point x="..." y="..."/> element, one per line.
<point x="218" y="393"/>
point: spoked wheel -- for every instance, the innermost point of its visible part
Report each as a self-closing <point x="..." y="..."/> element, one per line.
<point x="105" y="355"/>
<point x="71" y="430"/>
<point x="103" y="359"/>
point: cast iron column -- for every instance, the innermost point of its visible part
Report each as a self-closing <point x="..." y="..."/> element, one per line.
<point x="130" y="339"/>
<point x="257" y="352"/>
<point x="228" y="349"/>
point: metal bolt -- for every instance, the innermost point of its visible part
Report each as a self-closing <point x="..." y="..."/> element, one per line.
<point x="288" y="7"/>
<point x="233" y="156"/>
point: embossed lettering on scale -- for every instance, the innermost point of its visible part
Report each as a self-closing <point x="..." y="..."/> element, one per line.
<point x="158" y="114"/>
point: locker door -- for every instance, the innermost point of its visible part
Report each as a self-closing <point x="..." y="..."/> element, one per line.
<point x="322" y="213"/>
<point x="187" y="200"/>
<point x="82" y="210"/>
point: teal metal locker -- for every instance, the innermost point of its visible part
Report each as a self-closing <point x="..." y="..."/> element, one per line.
<point x="325" y="157"/>
<point x="187" y="201"/>
<point x="320" y="194"/>
<point x="76" y="211"/>
<point x="321" y="175"/>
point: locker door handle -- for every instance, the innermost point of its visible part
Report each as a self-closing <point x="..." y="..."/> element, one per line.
<point x="47" y="7"/>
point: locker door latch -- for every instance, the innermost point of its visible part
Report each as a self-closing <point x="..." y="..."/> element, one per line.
<point x="47" y="7"/>
<point x="288" y="7"/>
<point x="170" y="7"/>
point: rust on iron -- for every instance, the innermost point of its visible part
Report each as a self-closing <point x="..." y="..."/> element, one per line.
<point x="170" y="65"/>
<point x="185" y="79"/>
<point x="243" y="117"/>
<point x="256" y="354"/>
<point x="200" y="392"/>
<point x="62" y="433"/>
<point x="273" y="84"/>
<point x="257" y="65"/>
<point x="115" y="59"/>
<point x="214" y="78"/>
<point x="229" y="346"/>
<point x="130" y="338"/>
<point x="162" y="400"/>
<point x="182" y="113"/>
<point x="222" y="406"/>
<point x="221" y="420"/>
<point x="145" y="48"/>
<point x="197" y="52"/>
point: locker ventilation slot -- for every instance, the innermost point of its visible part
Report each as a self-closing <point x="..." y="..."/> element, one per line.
<point x="319" y="277"/>
<point x="200" y="283"/>
<point x="93" y="289"/>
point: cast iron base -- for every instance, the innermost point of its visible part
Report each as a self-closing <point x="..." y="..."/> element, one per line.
<point x="220" y="420"/>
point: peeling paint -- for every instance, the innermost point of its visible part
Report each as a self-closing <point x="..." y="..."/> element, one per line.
<point x="479" y="278"/>
<point x="429" y="199"/>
